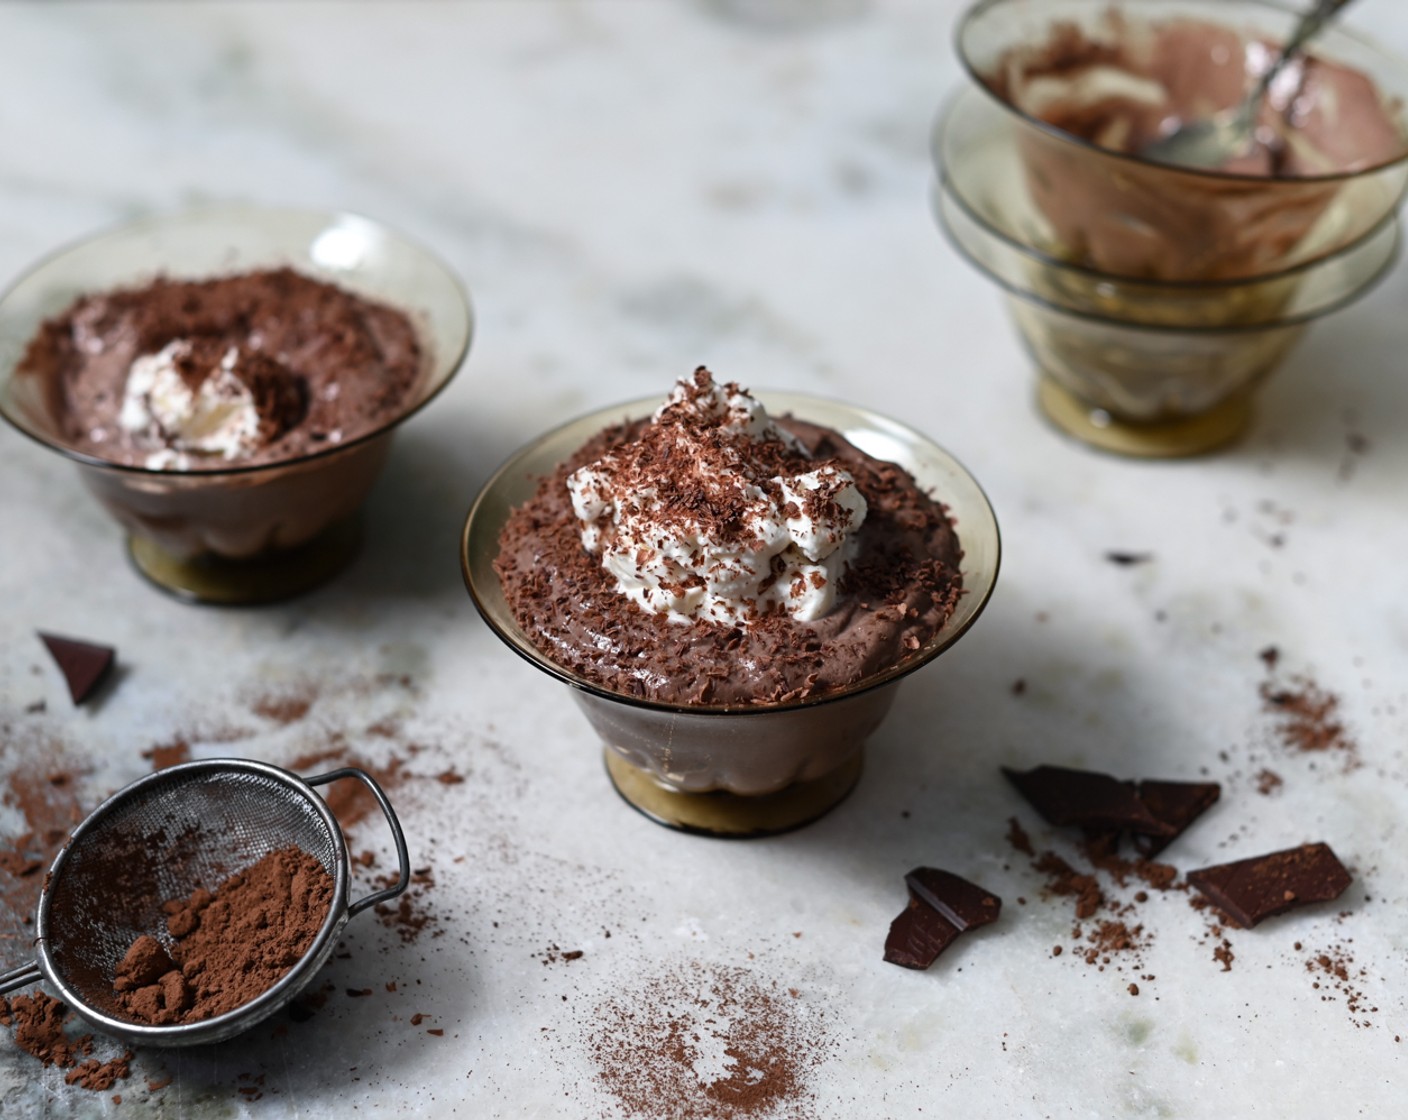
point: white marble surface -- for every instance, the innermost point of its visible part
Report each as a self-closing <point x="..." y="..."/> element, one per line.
<point x="630" y="189"/>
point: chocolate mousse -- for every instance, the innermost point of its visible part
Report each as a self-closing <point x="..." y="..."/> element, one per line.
<point x="251" y="368"/>
<point x="1126" y="83"/>
<point x="1142" y="81"/>
<point x="714" y="555"/>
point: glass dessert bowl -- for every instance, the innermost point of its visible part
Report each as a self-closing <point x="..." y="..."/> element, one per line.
<point x="737" y="770"/>
<point x="226" y="531"/>
<point x="1127" y="364"/>
<point x="1153" y="300"/>
<point x="1334" y="167"/>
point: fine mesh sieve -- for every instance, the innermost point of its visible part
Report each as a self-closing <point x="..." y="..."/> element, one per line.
<point x="161" y="838"/>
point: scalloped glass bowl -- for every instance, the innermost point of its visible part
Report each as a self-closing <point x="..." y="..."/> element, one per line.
<point x="238" y="534"/>
<point x="737" y="771"/>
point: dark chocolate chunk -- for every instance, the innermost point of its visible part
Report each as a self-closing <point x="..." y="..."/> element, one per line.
<point x="1128" y="559"/>
<point x="1087" y="799"/>
<point x="941" y="906"/>
<point x="1252" y="890"/>
<point x="83" y="664"/>
<point x="1176" y="804"/>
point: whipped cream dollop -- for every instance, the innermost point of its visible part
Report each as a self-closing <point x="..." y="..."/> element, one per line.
<point x="716" y="513"/>
<point x="199" y="402"/>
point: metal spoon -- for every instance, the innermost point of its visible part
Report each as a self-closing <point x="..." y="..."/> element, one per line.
<point x="1216" y="140"/>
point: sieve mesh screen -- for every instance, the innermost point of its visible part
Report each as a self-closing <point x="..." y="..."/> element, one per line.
<point x="194" y="829"/>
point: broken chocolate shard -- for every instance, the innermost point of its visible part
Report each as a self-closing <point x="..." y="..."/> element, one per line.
<point x="1176" y="804"/>
<point x="1251" y="890"/>
<point x="963" y="903"/>
<point x="917" y="937"/>
<point x="83" y="664"/>
<point x="1087" y="799"/>
<point x="941" y="906"/>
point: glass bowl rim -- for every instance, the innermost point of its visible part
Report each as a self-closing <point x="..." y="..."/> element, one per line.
<point x="642" y="406"/>
<point x="1364" y="288"/>
<point x="451" y="363"/>
<point x="942" y="123"/>
<point x="981" y="6"/>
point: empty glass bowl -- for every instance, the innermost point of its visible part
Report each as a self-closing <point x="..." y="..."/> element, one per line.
<point x="737" y="771"/>
<point x="1120" y="215"/>
<point x="238" y="534"/>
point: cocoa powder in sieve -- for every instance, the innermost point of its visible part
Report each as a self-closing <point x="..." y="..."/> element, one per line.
<point x="229" y="945"/>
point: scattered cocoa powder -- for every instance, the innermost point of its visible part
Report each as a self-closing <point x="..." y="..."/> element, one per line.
<point x="351" y="802"/>
<point x="409" y="916"/>
<point x="1064" y="880"/>
<point x="1018" y="838"/>
<point x="711" y="1042"/>
<point x="38" y="1021"/>
<point x="229" y="945"/>
<point x="39" y="1030"/>
<point x="42" y="790"/>
<point x="285" y="707"/>
<point x="1336" y="976"/>
<point x="101" y="1076"/>
<point x="1308" y="719"/>
<point x="1107" y="932"/>
<point x="165" y="755"/>
<point x="1268" y="782"/>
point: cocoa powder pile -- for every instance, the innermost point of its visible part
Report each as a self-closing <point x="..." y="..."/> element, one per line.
<point x="229" y="945"/>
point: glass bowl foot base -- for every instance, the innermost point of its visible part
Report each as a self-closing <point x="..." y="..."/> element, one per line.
<point x="1172" y="439"/>
<point x="267" y="579"/>
<point x="729" y="814"/>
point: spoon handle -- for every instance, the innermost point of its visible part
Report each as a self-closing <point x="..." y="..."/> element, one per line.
<point x="1309" y="26"/>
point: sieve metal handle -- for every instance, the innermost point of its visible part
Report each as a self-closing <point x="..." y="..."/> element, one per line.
<point x="21" y="977"/>
<point x="403" y="858"/>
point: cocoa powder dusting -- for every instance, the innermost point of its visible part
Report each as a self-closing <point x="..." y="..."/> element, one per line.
<point x="1308" y="720"/>
<point x="229" y="945"/>
<point x="351" y="802"/>
<point x="1107" y="930"/>
<point x="1337" y="977"/>
<point x="285" y="707"/>
<point x="165" y="755"/>
<point x="711" y="1042"/>
<point x="43" y="793"/>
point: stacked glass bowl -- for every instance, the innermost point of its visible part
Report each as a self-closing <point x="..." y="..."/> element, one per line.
<point x="1153" y="299"/>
